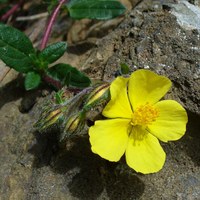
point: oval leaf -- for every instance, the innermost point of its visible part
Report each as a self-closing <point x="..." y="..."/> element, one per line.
<point x="95" y="9"/>
<point x="53" y="52"/>
<point x="68" y="75"/>
<point x="78" y="79"/>
<point x="32" y="80"/>
<point x="3" y="1"/>
<point x="15" y="48"/>
<point x="125" y="69"/>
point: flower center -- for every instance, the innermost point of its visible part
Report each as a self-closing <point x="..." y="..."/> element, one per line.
<point x="144" y="115"/>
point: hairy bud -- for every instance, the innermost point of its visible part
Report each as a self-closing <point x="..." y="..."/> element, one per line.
<point x="49" y="118"/>
<point x="98" y="95"/>
<point x="72" y="125"/>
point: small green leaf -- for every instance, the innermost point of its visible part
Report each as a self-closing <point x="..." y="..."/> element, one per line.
<point x="95" y="9"/>
<point x="15" y="48"/>
<point x="125" y="69"/>
<point x="59" y="97"/>
<point x="78" y="79"/>
<point x="3" y="1"/>
<point x="32" y="80"/>
<point x="51" y="4"/>
<point x="68" y="75"/>
<point x="53" y="52"/>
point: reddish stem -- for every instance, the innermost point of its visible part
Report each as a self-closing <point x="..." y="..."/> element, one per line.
<point x="50" y="24"/>
<point x="45" y="38"/>
<point x="55" y="83"/>
<point x="11" y="11"/>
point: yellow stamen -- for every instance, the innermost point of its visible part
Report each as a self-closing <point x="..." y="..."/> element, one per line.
<point x="144" y="115"/>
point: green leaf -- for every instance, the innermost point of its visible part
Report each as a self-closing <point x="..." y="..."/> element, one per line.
<point x="78" y="79"/>
<point x="32" y="80"/>
<point x="95" y="9"/>
<point x="68" y="75"/>
<point x="15" y="48"/>
<point x="51" y="4"/>
<point x="125" y="69"/>
<point x="59" y="97"/>
<point x="3" y="1"/>
<point x="53" y="52"/>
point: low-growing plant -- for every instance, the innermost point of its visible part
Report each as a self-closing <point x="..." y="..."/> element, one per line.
<point x="17" y="51"/>
<point x="133" y="115"/>
<point x="135" y="118"/>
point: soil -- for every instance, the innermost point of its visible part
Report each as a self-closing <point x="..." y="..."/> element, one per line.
<point x="32" y="166"/>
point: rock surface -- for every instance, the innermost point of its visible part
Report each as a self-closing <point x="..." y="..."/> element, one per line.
<point x="33" y="167"/>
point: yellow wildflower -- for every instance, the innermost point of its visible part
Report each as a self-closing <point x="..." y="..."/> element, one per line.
<point x="137" y="120"/>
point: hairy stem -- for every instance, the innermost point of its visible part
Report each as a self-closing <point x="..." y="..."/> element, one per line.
<point x="50" y="24"/>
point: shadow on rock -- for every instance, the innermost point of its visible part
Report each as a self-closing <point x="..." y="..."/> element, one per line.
<point x="87" y="176"/>
<point x="81" y="48"/>
<point x="95" y="174"/>
<point x="192" y="137"/>
<point x="121" y="185"/>
<point x="44" y="148"/>
<point x="15" y="90"/>
<point x="12" y="91"/>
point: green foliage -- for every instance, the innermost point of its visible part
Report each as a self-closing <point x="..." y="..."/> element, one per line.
<point x="68" y="75"/>
<point x="51" y="4"/>
<point x="17" y="52"/>
<point x="32" y="80"/>
<point x="125" y="69"/>
<point x="15" y="48"/>
<point x="52" y="52"/>
<point x="95" y="9"/>
<point x="59" y="97"/>
<point x="3" y="1"/>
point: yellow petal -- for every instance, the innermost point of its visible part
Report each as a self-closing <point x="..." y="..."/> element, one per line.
<point x="109" y="138"/>
<point x="171" y="122"/>
<point x="146" y="86"/>
<point x="144" y="154"/>
<point x="119" y="105"/>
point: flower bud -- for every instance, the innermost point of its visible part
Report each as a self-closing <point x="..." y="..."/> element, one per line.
<point x="100" y="94"/>
<point x="72" y="126"/>
<point x="47" y="119"/>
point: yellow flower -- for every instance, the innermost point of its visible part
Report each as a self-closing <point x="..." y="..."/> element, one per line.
<point x="137" y="120"/>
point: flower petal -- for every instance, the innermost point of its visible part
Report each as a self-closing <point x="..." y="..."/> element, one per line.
<point x="144" y="154"/>
<point x="119" y="105"/>
<point x="146" y="86"/>
<point x="171" y="123"/>
<point x="109" y="138"/>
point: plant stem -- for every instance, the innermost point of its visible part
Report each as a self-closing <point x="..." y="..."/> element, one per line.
<point x="53" y="82"/>
<point x="11" y="11"/>
<point x="50" y="24"/>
